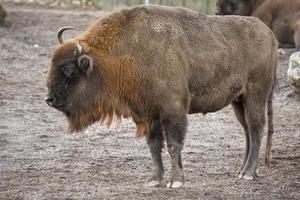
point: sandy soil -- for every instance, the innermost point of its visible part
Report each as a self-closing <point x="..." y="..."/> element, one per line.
<point x="40" y="160"/>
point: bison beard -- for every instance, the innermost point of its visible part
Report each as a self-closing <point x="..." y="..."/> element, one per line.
<point x="81" y="119"/>
<point x="103" y="111"/>
<point x="100" y="111"/>
<point x="158" y="64"/>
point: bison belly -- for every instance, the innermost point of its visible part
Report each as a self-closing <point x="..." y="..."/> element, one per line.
<point x="216" y="97"/>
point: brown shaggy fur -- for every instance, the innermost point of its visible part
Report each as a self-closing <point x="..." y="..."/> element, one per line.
<point x="156" y="64"/>
<point x="282" y="16"/>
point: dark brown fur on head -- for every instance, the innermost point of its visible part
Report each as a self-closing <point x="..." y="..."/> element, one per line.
<point x="86" y="96"/>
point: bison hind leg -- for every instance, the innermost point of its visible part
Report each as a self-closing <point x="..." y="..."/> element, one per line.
<point x="155" y="142"/>
<point x="255" y="107"/>
<point x="239" y="112"/>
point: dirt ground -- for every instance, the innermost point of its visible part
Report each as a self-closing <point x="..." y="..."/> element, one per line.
<point x="41" y="160"/>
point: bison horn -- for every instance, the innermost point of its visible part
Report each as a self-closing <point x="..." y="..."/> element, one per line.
<point x="78" y="49"/>
<point x="60" y="32"/>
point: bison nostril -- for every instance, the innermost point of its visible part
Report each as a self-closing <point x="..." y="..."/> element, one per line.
<point x="50" y="101"/>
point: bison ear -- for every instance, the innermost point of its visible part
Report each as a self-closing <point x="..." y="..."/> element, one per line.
<point x="85" y="64"/>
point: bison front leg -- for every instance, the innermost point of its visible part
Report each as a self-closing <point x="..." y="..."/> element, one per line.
<point x="155" y="143"/>
<point x="175" y="126"/>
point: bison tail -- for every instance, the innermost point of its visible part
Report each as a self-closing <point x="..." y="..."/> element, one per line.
<point x="270" y="116"/>
<point x="270" y="129"/>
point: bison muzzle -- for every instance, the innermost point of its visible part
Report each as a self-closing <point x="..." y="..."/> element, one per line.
<point x="157" y="64"/>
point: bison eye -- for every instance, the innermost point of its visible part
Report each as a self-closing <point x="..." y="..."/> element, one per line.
<point x="69" y="70"/>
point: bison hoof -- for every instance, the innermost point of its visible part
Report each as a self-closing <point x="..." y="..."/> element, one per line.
<point x="281" y="51"/>
<point x="175" y="184"/>
<point x="165" y="149"/>
<point x="240" y="175"/>
<point x="152" y="183"/>
<point x="247" y="176"/>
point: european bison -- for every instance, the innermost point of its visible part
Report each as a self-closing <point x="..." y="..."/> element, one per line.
<point x="282" y="16"/>
<point x="157" y="64"/>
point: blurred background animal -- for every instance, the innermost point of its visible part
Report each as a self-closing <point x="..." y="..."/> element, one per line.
<point x="2" y="14"/>
<point x="282" y="16"/>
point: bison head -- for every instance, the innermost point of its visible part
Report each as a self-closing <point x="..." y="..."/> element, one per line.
<point x="227" y="7"/>
<point x="72" y="82"/>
